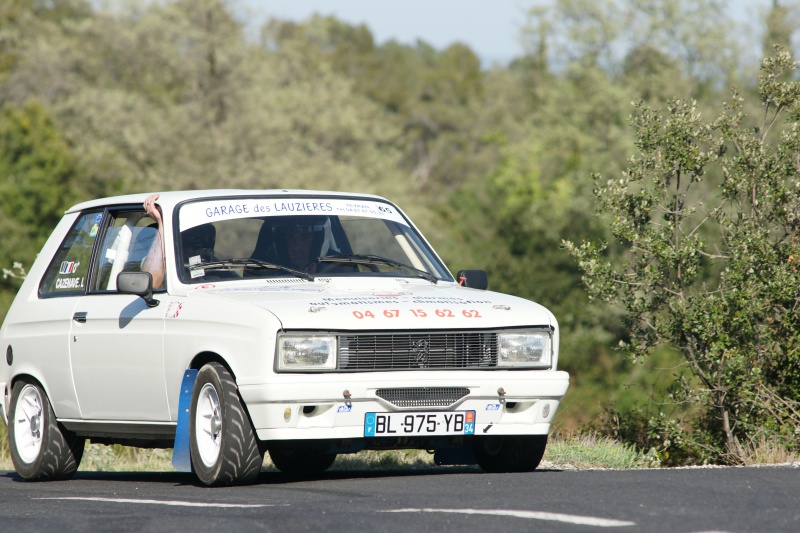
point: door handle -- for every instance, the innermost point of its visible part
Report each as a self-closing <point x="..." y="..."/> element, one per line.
<point x="80" y="317"/>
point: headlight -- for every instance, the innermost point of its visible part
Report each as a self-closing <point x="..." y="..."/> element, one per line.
<point x="306" y="352"/>
<point x="528" y="349"/>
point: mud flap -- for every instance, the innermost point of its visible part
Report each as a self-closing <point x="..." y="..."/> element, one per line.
<point x="181" y="454"/>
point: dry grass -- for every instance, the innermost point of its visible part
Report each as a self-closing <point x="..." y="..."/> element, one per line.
<point x="589" y="450"/>
<point x="5" y="457"/>
<point x="101" y="458"/>
<point x="767" y="452"/>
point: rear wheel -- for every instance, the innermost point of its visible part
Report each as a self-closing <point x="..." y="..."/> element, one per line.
<point x="510" y="453"/>
<point x="41" y="448"/>
<point x="223" y="445"/>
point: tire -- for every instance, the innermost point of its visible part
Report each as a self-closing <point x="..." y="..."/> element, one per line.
<point x="41" y="448"/>
<point x="299" y="460"/>
<point x="224" y="448"/>
<point x="510" y="453"/>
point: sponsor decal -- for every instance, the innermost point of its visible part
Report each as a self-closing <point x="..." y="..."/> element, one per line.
<point x="492" y="406"/>
<point x="197" y="213"/>
<point x="173" y="310"/>
<point x="397" y="299"/>
<point x="417" y="313"/>
<point x="276" y="288"/>
<point x="344" y="408"/>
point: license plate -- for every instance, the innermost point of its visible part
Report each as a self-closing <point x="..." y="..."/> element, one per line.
<point x="405" y="424"/>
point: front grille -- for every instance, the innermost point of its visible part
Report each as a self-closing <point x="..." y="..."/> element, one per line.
<point x="415" y="351"/>
<point x="423" y="396"/>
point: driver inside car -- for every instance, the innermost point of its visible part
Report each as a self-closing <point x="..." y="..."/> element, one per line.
<point x="295" y="242"/>
<point x="303" y="243"/>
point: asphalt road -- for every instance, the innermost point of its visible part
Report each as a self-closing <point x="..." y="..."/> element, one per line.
<point x="440" y="499"/>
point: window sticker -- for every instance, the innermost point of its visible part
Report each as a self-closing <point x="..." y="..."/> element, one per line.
<point x="68" y="267"/>
<point x="69" y="283"/>
<point x="197" y="213"/>
<point x="96" y="225"/>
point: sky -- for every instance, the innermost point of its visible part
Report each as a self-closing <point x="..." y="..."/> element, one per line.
<point x="491" y="28"/>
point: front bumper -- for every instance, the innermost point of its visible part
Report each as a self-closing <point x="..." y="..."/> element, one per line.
<point x="333" y="406"/>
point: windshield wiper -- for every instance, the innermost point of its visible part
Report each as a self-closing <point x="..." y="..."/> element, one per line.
<point x="251" y="263"/>
<point x="366" y="259"/>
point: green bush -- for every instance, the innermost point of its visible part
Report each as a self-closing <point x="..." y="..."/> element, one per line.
<point x="712" y="274"/>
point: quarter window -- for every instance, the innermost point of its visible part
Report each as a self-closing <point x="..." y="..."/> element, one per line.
<point x="68" y="272"/>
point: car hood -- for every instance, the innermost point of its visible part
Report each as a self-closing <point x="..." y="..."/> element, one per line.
<point x="381" y="304"/>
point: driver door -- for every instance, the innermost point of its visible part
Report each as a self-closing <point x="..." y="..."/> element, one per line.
<point x="116" y="340"/>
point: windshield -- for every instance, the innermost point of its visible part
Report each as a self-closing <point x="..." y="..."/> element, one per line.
<point x="229" y="239"/>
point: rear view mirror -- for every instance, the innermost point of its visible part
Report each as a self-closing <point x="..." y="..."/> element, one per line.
<point x="138" y="283"/>
<point x="475" y="279"/>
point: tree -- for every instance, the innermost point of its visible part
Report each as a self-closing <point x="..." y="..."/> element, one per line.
<point x="170" y="95"/>
<point x="779" y="27"/>
<point x="730" y="306"/>
<point x="39" y="178"/>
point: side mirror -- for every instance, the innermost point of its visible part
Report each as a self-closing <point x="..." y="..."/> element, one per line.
<point x="475" y="279"/>
<point x="138" y="283"/>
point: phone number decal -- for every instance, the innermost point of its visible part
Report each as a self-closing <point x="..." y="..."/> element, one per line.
<point x="417" y="313"/>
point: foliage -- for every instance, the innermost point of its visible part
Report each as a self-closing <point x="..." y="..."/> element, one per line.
<point x="591" y="450"/>
<point x="38" y="181"/>
<point x="493" y="164"/>
<point x="37" y="168"/>
<point x="5" y="451"/>
<point x="728" y="305"/>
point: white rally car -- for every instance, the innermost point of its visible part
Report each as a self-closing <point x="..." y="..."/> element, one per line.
<point x="306" y="324"/>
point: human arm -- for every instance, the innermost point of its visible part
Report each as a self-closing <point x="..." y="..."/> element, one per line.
<point x="154" y="262"/>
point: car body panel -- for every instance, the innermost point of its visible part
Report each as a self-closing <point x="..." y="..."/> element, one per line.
<point x="117" y="359"/>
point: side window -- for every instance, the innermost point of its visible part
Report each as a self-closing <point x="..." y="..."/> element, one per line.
<point x="68" y="272"/>
<point x="125" y="245"/>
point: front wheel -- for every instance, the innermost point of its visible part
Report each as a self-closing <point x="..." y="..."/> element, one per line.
<point x="223" y="445"/>
<point x="41" y="449"/>
<point x="510" y="453"/>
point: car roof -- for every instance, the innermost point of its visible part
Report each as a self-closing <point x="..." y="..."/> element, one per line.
<point x="169" y="199"/>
